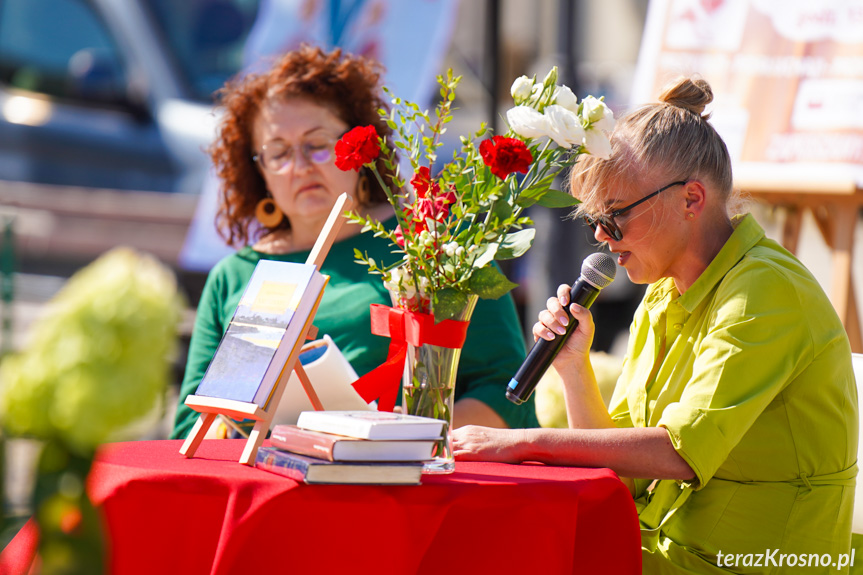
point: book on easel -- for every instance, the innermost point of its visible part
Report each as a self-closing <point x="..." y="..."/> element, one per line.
<point x="273" y="313"/>
<point x="250" y="386"/>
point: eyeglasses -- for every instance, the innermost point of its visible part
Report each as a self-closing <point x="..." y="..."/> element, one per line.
<point x="277" y="155"/>
<point x="608" y="224"/>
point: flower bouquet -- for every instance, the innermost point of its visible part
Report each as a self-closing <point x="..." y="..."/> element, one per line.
<point x="452" y="225"/>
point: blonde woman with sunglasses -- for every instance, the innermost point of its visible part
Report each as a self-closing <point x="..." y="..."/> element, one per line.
<point x="734" y="421"/>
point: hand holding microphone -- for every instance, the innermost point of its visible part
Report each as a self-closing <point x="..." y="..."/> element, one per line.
<point x="597" y="271"/>
<point x="555" y="319"/>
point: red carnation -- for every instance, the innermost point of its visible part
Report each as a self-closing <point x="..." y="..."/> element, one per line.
<point x="449" y="197"/>
<point x="357" y="148"/>
<point x="428" y="208"/>
<point x="505" y="156"/>
<point x="422" y="181"/>
<point x="435" y="208"/>
<point x="400" y="237"/>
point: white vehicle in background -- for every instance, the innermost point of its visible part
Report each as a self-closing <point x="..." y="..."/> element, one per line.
<point x="106" y="107"/>
<point x="114" y="93"/>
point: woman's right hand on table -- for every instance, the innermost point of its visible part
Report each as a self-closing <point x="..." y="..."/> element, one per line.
<point x="553" y="322"/>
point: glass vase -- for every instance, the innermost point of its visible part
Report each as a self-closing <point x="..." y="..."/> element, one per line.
<point x="428" y="383"/>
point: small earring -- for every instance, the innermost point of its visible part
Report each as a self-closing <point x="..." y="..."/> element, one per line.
<point x="268" y="213"/>
<point x="690" y="215"/>
<point x="364" y="192"/>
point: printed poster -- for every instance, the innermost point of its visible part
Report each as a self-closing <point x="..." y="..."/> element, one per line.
<point x="787" y="77"/>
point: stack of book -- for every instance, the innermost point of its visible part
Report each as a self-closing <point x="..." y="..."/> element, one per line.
<point x="368" y="447"/>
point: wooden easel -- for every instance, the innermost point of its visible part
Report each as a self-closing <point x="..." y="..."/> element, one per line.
<point x="835" y="206"/>
<point x="210" y="407"/>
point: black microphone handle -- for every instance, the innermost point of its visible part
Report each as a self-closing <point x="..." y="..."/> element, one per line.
<point x="543" y="352"/>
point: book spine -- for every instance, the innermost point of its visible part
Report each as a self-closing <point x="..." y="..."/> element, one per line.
<point x="270" y="460"/>
<point x="298" y="442"/>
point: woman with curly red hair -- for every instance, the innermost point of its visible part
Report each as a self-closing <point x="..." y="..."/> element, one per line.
<point x="274" y="156"/>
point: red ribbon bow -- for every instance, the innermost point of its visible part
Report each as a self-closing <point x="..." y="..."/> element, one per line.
<point x="403" y="328"/>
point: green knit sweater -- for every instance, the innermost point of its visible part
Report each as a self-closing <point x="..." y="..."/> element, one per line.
<point x="492" y="353"/>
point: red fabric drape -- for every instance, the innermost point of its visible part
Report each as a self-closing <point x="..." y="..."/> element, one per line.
<point x="209" y="515"/>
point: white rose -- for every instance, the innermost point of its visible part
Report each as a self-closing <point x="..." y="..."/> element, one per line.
<point x="563" y="96"/>
<point x="527" y="122"/>
<point x="521" y="89"/>
<point x="596" y="114"/>
<point x="596" y="143"/>
<point x="564" y="126"/>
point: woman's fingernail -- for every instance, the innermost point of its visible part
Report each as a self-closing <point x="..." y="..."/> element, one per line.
<point x="560" y="329"/>
<point x="564" y="321"/>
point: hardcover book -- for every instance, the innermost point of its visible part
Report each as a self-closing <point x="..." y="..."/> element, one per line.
<point x="313" y="470"/>
<point x="372" y="424"/>
<point x="340" y="448"/>
<point x="267" y="325"/>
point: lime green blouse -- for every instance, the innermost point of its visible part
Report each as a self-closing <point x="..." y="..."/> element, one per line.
<point x="750" y="373"/>
<point x="492" y="353"/>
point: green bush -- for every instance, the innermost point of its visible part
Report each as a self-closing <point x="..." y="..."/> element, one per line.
<point x="100" y="356"/>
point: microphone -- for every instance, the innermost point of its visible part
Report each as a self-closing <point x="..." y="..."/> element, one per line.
<point x="597" y="271"/>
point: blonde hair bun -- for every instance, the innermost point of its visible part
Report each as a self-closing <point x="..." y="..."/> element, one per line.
<point x="689" y="93"/>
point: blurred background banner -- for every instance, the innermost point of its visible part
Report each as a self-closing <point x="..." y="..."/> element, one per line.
<point x="409" y="38"/>
<point x="787" y="76"/>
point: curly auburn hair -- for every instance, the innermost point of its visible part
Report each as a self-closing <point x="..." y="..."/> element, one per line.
<point x="343" y="82"/>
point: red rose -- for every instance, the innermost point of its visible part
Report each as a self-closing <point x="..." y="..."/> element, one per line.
<point x="421" y="182"/>
<point x="357" y="148"/>
<point x="505" y="156"/>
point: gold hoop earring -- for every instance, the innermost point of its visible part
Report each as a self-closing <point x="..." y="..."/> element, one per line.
<point x="268" y="213"/>
<point x="364" y="191"/>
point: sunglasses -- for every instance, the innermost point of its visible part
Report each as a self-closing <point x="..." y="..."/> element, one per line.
<point x="607" y="222"/>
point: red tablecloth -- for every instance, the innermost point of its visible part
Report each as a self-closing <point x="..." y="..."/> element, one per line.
<point x="211" y="515"/>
